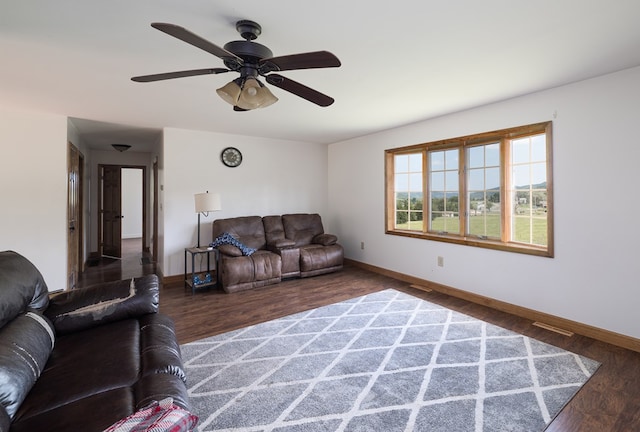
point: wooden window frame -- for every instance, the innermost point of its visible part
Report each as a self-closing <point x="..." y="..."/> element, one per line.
<point x="504" y="243"/>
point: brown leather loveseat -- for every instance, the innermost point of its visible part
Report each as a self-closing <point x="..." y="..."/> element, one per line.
<point x="272" y="248"/>
<point x="83" y="359"/>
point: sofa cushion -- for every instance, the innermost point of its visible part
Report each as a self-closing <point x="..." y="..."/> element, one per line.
<point x="94" y="413"/>
<point x="21" y="287"/>
<point x="317" y="257"/>
<point x="248" y="230"/>
<point x="302" y="227"/>
<point x="25" y="345"/>
<point x="85" y="363"/>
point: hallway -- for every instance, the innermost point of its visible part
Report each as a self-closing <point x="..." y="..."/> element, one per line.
<point x="133" y="263"/>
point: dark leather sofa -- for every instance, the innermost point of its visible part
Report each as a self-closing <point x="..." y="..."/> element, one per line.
<point x="286" y="246"/>
<point x="81" y="360"/>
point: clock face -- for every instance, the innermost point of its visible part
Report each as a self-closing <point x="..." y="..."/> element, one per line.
<point x="231" y="157"/>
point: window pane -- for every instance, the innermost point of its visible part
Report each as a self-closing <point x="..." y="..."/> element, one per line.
<point x="451" y="180"/>
<point x="415" y="182"/>
<point x="408" y="191"/>
<point x="483" y="198"/>
<point x="402" y="182"/>
<point x="520" y="176"/>
<point x="529" y="190"/>
<point x="492" y="154"/>
<point x="539" y="173"/>
<point x="520" y="150"/>
<point x="451" y="159"/>
<point x="476" y="157"/>
<point x="443" y="189"/>
<point x="437" y="181"/>
<point x="538" y="148"/>
<point x="401" y="163"/>
<point x="415" y="162"/>
<point x="437" y="160"/>
<point x="476" y="179"/>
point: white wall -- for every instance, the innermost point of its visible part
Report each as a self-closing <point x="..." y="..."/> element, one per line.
<point x="131" y="203"/>
<point x="33" y="190"/>
<point x="593" y="278"/>
<point x="275" y="177"/>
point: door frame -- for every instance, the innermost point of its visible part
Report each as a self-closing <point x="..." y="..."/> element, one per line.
<point x="144" y="203"/>
<point x="75" y="205"/>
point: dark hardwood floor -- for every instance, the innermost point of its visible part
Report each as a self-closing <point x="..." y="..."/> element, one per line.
<point x="610" y="401"/>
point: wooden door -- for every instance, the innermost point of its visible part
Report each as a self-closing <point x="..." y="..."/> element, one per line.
<point x="74" y="215"/>
<point x="111" y="211"/>
<point x="155" y="211"/>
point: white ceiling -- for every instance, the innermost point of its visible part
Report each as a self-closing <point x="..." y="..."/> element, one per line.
<point x="402" y="61"/>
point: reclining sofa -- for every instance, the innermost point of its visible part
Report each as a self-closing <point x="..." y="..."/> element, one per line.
<point x="85" y="359"/>
<point x="265" y="250"/>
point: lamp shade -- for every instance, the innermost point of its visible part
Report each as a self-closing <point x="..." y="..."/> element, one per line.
<point x="250" y="97"/>
<point x="206" y="202"/>
<point x="268" y="98"/>
<point x="229" y="92"/>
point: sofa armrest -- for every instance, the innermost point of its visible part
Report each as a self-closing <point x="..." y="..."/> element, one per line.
<point x="84" y="308"/>
<point x="230" y="250"/>
<point x="325" y="239"/>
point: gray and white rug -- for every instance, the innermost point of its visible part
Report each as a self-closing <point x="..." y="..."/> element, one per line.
<point x="382" y="362"/>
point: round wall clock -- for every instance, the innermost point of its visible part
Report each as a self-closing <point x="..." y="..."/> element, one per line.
<point x="231" y="157"/>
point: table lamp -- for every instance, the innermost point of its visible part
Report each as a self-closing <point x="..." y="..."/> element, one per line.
<point x="205" y="203"/>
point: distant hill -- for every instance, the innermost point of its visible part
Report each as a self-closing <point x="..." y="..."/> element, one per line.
<point x="476" y="196"/>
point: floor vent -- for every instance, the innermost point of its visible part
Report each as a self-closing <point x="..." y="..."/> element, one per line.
<point x="421" y="288"/>
<point x="553" y="329"/>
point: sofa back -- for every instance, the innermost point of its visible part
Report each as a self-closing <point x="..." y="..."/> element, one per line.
<point x="273" y="229"/>
<point x="248" y="230"/>
<point x="22" y="287"/>
<point x="302" y="227"/>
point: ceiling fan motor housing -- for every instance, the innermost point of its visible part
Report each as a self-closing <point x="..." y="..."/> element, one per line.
<point x="249" y="30"/>
<point x="251" y="52"/>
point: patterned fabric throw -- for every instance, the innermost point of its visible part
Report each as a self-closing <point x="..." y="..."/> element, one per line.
<point x="162" y="416"/>
<point x="226" y="238"/>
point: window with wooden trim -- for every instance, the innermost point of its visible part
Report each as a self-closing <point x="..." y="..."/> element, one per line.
<point x="490" y="190"/>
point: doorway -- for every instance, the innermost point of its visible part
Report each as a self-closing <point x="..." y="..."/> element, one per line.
<point x="122" y="212"/>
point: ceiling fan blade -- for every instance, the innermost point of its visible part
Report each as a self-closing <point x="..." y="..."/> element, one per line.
<point x="180" y="74"/>
<point x="310" y="60"/>
<point x="299" y="90"/>
<point x="195" y="40"/>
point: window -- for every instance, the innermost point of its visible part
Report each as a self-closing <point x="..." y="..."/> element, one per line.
<point x="488" y="190"/>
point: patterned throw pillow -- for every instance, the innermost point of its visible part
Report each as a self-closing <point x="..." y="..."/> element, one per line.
<point x="226" y="238"/>
<point x="162" y="416"/>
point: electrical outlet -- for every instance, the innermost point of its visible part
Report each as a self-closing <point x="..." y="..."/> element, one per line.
<point x="440" y="261"/>
<point x="362" y="245"/>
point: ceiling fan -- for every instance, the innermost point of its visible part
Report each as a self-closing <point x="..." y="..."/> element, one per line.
<point x="251" y="60"/>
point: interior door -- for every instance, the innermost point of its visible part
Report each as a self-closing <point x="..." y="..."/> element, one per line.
<point x="74" y="214"/>
<point x="111" y="211"/>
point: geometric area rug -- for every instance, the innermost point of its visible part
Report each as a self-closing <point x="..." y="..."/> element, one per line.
<point x="388" y="362"/>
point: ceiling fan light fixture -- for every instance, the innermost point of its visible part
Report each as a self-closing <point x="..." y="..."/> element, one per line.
<point x="230" y="92"/>
<point x="250" y="96"/>
<point x="267" y="97"/>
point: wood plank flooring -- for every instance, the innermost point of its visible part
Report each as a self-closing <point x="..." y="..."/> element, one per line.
<point x="610" y="401"/>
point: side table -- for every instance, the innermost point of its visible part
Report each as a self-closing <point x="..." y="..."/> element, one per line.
<point x="194" y="279"/>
